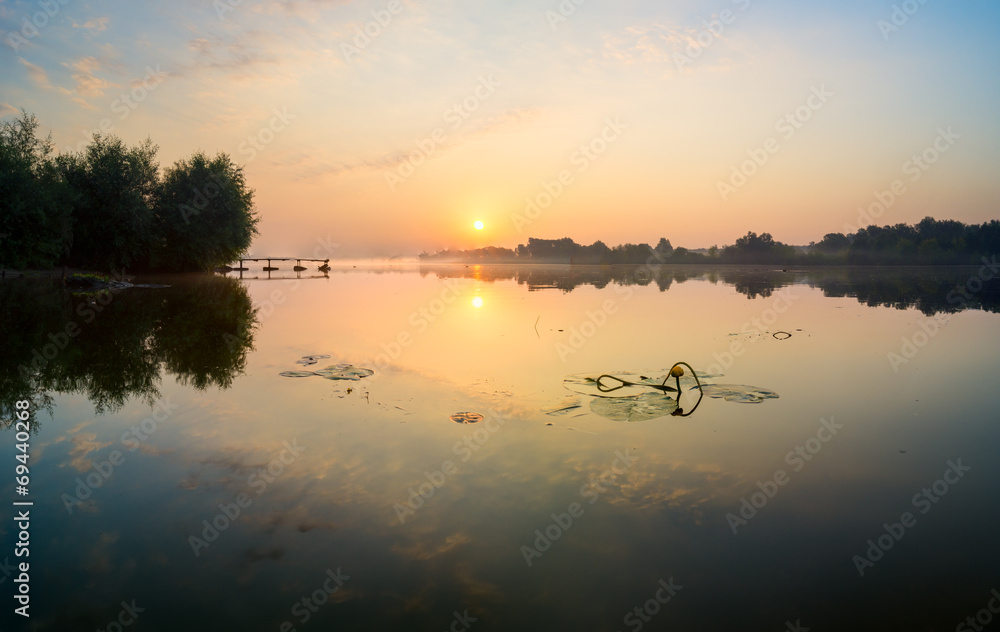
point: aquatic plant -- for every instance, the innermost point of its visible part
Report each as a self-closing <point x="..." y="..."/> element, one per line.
<point x="644" y="395"/>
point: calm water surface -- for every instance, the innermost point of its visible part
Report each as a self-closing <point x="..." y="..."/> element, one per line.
<point x="174" y="468"/>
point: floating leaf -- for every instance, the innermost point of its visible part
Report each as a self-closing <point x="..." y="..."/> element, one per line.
<point x="643" y="395"/>
<point x="297" y="374"/>
<point x="344" y="372"/>
<point x="628" y="383"/>
<point x="738" y="393"/>
<point x="639" y="408"/>
<point x="311" y="359"/>
<point x="334" y="372"/>
<point x="466" y="418"/>
<point x="563" y="406"/>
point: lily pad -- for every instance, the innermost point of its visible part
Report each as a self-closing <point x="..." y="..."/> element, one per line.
<point x="334" y="372"/>
<point x="311" y="359"/>
<point x="466" y="418"/>
<point x="297" y="374"/>
<point x="644" y="395"/>
<point x="643" y="407"/>
<point x="739" y="393"/>
<point x="628" y="383"/>
<point x="344" y="372"/>
<point x="563" y="406"/>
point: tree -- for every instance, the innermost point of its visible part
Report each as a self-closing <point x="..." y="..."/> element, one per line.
<point x="34" y="199"/>
<point x="597" y="252"/>
<point x="105" y="208"/>
<point x="663" y="246"/>
<point x="833" y="242"/>
<point x="754" y="248"/>
<point x="632" y="253"/>
<point x="550" y="249"/>
<point x="204" y="214"/>
<point x="752" y="243"/>
<point x="112" y="216"/>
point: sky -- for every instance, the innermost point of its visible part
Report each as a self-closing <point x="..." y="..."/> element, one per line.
<point x="372" y="128"/>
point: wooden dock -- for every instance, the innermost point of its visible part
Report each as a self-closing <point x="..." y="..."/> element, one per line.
<point x="298" y="267"/>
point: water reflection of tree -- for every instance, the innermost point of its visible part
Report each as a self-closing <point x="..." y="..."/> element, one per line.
<point x="567" y="277"/>
<point x="207" y="346"/>
<point x="754" y="283"/>
<point x="199" y="330"/>
<point x="931" y="290"/>
<point x="109" y="361"/>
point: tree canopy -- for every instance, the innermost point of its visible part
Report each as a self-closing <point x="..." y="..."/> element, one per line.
<point x="114" y="186"/>
<point x="109" y="208"/>
<point x="203" y="214"/>
<point x="34" y="198"/>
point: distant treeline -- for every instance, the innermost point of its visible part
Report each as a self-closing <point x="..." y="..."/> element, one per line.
<point x="930" y="242"/>
<point x="109" y="207"/>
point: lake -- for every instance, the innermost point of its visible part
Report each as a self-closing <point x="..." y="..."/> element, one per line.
<point x="180" y="481"/>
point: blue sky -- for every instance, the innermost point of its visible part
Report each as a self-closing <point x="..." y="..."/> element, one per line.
<point x="343" y="132"/>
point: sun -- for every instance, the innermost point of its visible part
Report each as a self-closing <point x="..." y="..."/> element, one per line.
<point x="479" y="224"/>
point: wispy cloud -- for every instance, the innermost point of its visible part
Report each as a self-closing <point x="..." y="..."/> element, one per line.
<point x="93" y="24"/>
<point x="232" y="118"/>
<point x="298" y="8"/>
<point x="240" y="57"/>
<point x="37" y="73"/>
<point x="88" y="84"/>
<point x="7" y="109"/>
<point x="313" y="166"/>
<point x="652" y="43"/>
<point x="83" y="445"/>
<point x="663" y="44"/>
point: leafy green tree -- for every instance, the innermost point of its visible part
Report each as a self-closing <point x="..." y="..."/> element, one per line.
<point x="112" y="217"/>
<point x="833" y="242"/>
<point x="752" y="243"/>
<point x="633" y="253"/>
<point x="984" y="239"/>
<point x="663" y="246"/>
<point x="754" y="248"/>
<point x="597" y="252"/>
<point x="549" y="249"/>
<point x="204" y="214"/>
<point x="34" y="199"/>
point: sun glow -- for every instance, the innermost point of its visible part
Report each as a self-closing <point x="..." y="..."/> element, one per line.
<point x="477" y="302"/>
<point x="479" y="224"/>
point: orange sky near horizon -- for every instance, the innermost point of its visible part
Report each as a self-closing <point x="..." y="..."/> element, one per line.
<point x="694" y="121"/>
